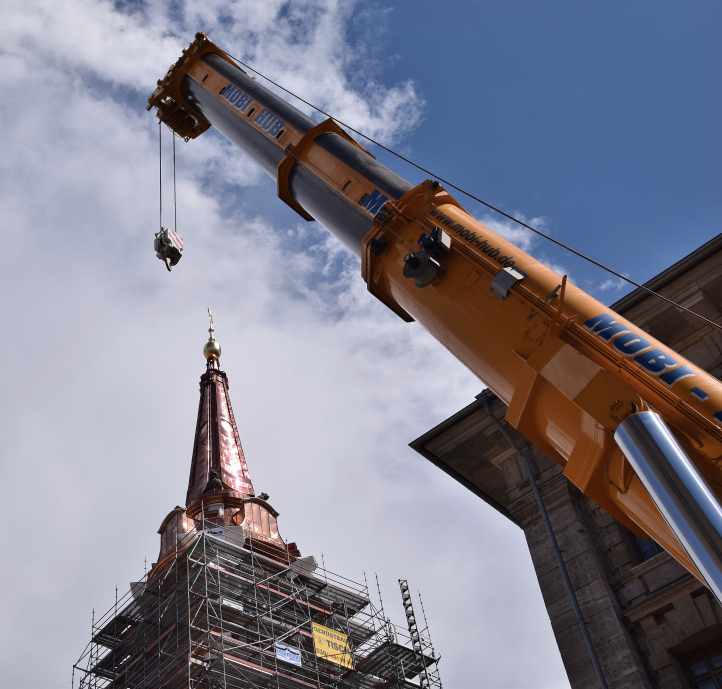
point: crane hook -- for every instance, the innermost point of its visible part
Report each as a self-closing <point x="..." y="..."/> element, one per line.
<point x="168" y="244"/>
<point x="168" y="247"/>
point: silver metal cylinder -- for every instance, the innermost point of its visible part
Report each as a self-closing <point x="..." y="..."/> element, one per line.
<point x="680" y="492"/>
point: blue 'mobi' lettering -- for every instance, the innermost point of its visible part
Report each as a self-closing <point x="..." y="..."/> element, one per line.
<point x="270" y="122"/>
<point x="606" y="326"/>
<point x="236" y="97"/>
<point x="631" y="344"/>
<point x="652" y="359"/>
<point x="373" y="202"/>
<point x="265" y="119"/>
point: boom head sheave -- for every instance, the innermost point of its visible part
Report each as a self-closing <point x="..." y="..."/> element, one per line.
<point x="173" y="107"/>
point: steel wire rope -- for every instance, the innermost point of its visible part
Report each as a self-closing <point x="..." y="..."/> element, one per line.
<point x="160" y="175"/>
<point x="487" y="204"/>
<point x="175" y="207"/>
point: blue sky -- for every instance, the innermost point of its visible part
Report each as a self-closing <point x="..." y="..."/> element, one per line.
<point x="600" y="122"/>
<point x="602" y="118"/>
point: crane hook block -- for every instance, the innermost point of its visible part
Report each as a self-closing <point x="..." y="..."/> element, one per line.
<point x="168" y="247"/>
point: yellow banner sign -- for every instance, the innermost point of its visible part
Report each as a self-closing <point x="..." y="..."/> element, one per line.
<point x="332" y="645"/>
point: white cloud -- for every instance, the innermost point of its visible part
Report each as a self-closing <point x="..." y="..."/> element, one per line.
<point x="102" y="350"/>
<point x="120" y="47"/>
<point x="514" y="232"/>
<point x="613" y="284"/>
<point x="527" y="240"/>
<point x="293" y="40"/>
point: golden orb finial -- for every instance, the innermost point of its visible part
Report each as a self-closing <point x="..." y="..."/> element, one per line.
<point x="211" y="350"/>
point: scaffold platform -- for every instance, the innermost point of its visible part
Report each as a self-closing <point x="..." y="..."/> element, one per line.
<point x="220" y="614"/>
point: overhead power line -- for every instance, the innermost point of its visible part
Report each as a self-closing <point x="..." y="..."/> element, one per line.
<point x="492" y="207"/>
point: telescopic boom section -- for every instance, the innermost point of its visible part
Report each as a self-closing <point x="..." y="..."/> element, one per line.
<point x="572" y="372"/>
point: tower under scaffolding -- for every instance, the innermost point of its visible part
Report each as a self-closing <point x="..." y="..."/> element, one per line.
<point x="219" y="614"/>
<point x="230" y="604"/>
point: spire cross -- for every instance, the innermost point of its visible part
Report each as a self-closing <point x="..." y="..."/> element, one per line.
<point x="212" y="350"/>
<point x="211" y="329"/>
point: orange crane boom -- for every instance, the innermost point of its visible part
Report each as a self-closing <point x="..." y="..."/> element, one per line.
<point x="637" y="428"/>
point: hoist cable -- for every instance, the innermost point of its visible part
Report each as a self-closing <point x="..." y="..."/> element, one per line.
<point x="486" y="204"/>
<point x="175" y="207"/>
<point x="160" y="176"/>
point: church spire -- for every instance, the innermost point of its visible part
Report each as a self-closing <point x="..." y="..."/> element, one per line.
<point x="220" y="491"/>
<point x="218" y="465"/>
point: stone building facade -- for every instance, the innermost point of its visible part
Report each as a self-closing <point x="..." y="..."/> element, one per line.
<point x="624" y="613"/>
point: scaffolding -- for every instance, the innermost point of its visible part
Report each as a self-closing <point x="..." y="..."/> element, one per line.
<point x="220" y="614"/>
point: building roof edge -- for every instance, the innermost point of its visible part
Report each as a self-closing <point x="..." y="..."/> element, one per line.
<point x="669" y="274"/>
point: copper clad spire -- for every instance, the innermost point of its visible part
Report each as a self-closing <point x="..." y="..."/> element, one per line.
<point x="218" y="465"/>
<point x="220" y="493"/>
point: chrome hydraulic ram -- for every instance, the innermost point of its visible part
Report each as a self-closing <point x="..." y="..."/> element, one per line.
<point x="681" y="494"/>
